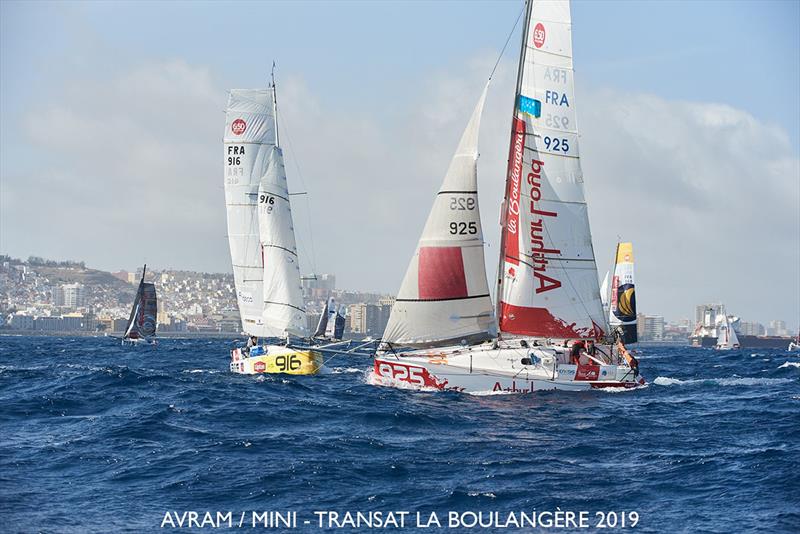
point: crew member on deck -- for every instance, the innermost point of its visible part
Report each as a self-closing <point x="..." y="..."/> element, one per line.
<point x="252" y="341"/>
<point x="581" y="350"/>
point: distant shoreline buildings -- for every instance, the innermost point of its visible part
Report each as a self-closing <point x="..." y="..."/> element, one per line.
<point x="46" y="296"/>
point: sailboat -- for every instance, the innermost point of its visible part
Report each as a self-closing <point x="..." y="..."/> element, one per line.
<point x="142" y="324"/>
<point x="794" y="345"/>
<point x="726" y="335"/>
<point x="261" y="237"/>
<point x="332" y="321"/>
<point x="622" y="304"/>
<point x="442" y="331"/>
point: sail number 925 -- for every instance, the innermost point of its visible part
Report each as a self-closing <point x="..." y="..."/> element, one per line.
<point x="462" y="228"/>
<point x="556" y="144"/>
<point x="461" y="204"/>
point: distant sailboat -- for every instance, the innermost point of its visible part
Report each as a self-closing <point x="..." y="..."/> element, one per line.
<point x="142" y="323"/>
<point x="548" y="295"/>
<point x="726" y="335"/>
<point x="332" y="321"/>
<point x="794" y="345"/>
<point x="622" y="304"/>
<point x="261" y="237"/>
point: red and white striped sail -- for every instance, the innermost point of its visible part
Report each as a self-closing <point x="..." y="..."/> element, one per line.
<point x="444" y="297"/>
<point x="547" y="283"/>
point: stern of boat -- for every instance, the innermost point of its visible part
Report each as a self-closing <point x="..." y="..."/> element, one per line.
<point x="276" y="360"/>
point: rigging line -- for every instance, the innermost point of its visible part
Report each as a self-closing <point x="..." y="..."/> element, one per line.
<point x="312" y="257"/>
<point x="508" y="39"/>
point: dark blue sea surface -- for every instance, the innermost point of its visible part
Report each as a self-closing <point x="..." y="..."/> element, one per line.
<point x="99" y="437"/>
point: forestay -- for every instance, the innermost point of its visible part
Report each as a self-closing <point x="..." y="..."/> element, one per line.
<point x="547" y="283"/>
<point x="444" y="297"/>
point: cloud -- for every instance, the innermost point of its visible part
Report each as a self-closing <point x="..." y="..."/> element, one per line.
<point x="130" y="168"/>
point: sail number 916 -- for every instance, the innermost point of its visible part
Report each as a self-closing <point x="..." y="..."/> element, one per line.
<point x="266" y="199"/>
<point x="462" y="228"/>
<point x="288" y="363"/>
<point x="556" y="144"/>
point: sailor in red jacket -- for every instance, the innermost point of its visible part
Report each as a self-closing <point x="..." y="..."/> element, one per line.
<point x="581" y="348"/>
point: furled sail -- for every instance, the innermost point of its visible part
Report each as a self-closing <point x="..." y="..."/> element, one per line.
<point x="142" y="321"/>
<point x="284" y="310"/>
<point x="444" y="297"/>
<point x="622" y="307"/>
<point x="249" y="142"/>
<point x="547" y="283"/>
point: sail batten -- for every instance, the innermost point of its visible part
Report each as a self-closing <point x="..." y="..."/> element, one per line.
<point x="547" y="284"/>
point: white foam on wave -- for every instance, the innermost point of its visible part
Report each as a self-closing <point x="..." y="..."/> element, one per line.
<point x="489" y="393"/>
<point x="732" y="381"/>
<point x="622" y="389"/>
<point x="340" y="370"/>
<point x="786" y="365"/>
<point x="209" y="371"/>
<point x="374" y="379"/>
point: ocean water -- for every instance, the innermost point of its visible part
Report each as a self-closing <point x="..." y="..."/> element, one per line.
<point x="97" y="437"/>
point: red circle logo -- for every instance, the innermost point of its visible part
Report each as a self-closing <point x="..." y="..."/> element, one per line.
<point x="259" y="367"/>
<point x="238" y="127"/>
<point x="538" y="35"/>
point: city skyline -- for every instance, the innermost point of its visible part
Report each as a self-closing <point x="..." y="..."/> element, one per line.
<point x="316" y="291"/>
<point x="682" y="153"/>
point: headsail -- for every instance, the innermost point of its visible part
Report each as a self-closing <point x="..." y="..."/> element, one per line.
<point x="444" y="297"/>
<point x="142" y="321"/>
<point x="330" y="327"/>
<point x="547" y="283"/>
<point x="284" y="310"/>
<point x="322" y="325"/>
<point x="622" y="309"/>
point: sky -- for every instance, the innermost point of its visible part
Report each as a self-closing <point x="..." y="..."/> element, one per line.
<point x="111" y="121"/>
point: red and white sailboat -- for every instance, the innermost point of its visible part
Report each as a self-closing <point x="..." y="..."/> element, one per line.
<point x="442" y="332"/>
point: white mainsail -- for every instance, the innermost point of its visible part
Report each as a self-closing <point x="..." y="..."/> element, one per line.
<point x="444" y="297"/>
<point x="260" y="233"/>
<point x="547" y="283"/>
<point x="622" y="309"/>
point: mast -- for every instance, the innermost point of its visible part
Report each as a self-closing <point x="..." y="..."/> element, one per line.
<point x="517" y="91"/>
<point x="275" y="106"/>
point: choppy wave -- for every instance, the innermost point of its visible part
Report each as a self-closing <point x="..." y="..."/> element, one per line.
<point x="108" y="438"/>
<point x="730" y="381"/>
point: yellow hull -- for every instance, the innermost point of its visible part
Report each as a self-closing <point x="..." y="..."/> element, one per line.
<point x="280" y="360"/>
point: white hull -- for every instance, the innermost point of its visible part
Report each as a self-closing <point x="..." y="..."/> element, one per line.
<point x="490" y="368"/>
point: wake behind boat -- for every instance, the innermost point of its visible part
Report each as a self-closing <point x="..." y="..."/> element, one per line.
<point x="442" y="331"/>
